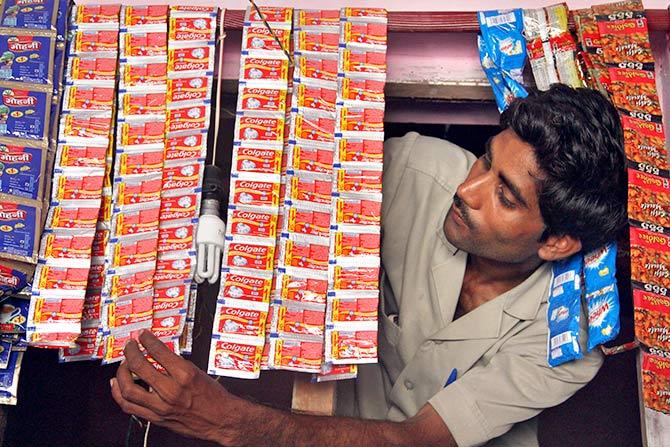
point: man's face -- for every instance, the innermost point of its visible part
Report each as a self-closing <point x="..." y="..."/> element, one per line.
<point x="495" y="213"/>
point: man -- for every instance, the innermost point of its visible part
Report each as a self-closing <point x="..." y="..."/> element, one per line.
<point x="463" y="329"/>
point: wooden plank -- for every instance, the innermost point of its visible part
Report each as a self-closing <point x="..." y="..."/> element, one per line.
<point x="313" y="398"/>
<point x="447" y="91"/>
<point x="655" y="428"/>
<point x="655" y="425"/>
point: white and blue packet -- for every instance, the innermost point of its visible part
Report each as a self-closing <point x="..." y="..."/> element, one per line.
<point x="597" y="269"/>
<point x="564" y="311"/>
<point x="502" y="52"/>
<point x="601" y="295"/>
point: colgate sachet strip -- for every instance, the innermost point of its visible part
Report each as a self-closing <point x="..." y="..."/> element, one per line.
<point x="303" y="321"/>
<point x="255" y="196"/>
<point x="170" y="296"/>
<point x="257" y="191"/>
<point x="252" y="221"/>
<point x="257" y="38"/>
<point x="351" y="343"/>
<point x="296" y="355"/>
<point x="301" y="286"/>
<point x="256" y="160"/>
<point x="235" y="358"/>
<point x="241" y="285"/>
<point x="249" y="253"/>
<point x="240" y="318"/>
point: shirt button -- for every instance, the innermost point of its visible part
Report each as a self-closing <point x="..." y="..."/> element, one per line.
<point x="427" y="344"/>
<point x="409" y="385"/>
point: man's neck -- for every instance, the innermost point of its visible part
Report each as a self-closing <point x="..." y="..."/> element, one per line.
<point x="495" y="272"/>
<point x="486" y="279"/>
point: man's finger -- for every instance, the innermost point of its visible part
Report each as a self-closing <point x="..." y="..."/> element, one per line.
<point x="134" y="393"/>
<point x="161" y="353"/>
<point x="132" y="408"/>
<point x="136" y="362"/>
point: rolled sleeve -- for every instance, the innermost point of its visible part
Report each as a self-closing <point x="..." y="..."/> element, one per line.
<point x="466" y="423"/>
<point x="516" y="385"/>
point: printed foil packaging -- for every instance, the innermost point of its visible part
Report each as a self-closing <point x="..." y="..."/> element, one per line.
<point x="305" y="196"/>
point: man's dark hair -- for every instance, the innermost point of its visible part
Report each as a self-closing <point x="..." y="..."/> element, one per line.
<point x="578" y="142"/>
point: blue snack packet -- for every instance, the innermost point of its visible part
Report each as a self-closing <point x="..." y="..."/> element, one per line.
<point x="61" y="20"/>
<point x="13" y="315"/>
<point x="24" y="113"/>
<point x="516" y="87"/>
<point x="60" y="52"/>
<point x="502" y="51"/>
<point x="60" y="61"/>
<point x="59" y="64"/>
<point x="5" y="351"/>
<point x="601" y="294"/>
<point x="21" y="169"/>
<point x="502" y="32"/>
<point x="9" y="378"/>
<point x="12" y="279"/>
<point x="29" y="14"/>
<point x="20" y="224"/>
<point x="563" y="312"/>
<point x="501" y="93"/>
<point x="26" y="58"/>
<point x="19" y="343"/>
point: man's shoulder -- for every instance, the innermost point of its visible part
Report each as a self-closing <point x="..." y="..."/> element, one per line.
<point x="435" y="157"/>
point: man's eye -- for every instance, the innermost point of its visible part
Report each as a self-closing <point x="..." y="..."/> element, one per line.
<point x="504" y="200"/>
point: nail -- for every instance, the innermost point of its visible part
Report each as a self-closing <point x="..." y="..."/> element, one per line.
<point x="111" y="383"/>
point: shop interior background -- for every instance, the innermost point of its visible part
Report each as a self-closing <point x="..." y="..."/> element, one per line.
<point x="70" y="404"/>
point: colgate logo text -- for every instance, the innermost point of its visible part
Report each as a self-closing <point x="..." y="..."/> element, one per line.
<point x="249" y="249"/>
<point x="238" y="349"/>
<point x="242" y="313"/>
<point x="245" y="280"/>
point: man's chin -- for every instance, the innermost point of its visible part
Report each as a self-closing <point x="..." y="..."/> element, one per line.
<point x="454" y="234"/>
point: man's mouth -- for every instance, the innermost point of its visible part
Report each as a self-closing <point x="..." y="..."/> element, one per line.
<point x="459" y="214"/>
<point x="458" y="217"/>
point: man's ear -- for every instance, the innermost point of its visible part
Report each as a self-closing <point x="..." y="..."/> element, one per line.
<point x="559" y="247"/>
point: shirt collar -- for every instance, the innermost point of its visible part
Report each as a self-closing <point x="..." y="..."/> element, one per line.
<point x="440" y="232"/>
<point x="523" y="301"/>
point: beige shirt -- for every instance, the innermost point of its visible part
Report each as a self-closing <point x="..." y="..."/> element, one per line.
<point x="498" y="349"/>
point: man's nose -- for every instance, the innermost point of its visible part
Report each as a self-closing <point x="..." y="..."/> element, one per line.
<point x="471" y="191"/>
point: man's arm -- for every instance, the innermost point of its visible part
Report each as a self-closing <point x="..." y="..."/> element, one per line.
<point x="188" y="401"/>
<point x="424" y="429"/>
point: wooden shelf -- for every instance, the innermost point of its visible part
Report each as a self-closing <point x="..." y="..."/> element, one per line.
<point x="446" y="91"/>
<point x="451" y="21"/>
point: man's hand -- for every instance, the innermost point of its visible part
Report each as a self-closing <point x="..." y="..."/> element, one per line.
<point x="185" y="400"/>
<point x="188" y="401"/>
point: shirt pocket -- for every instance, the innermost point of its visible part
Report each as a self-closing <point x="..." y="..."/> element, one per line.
<point x="389" y="324"/>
